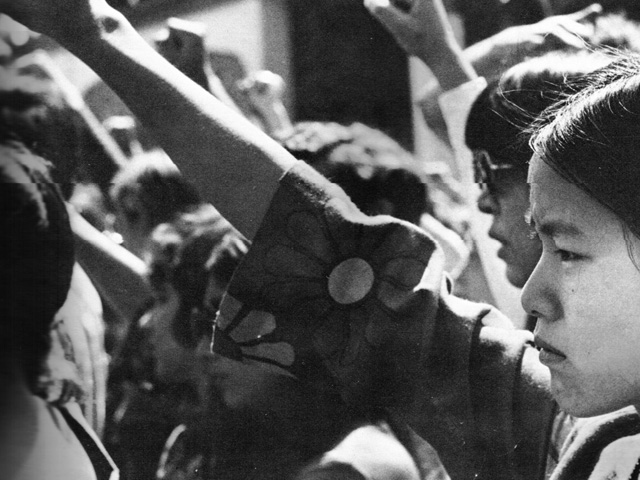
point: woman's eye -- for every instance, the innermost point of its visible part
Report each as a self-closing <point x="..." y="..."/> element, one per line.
<point x="567" y="256"/>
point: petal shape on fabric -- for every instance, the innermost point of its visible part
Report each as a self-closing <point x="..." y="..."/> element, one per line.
<point x="346" y="230"/>
<point x="253" y="326"/>
<point x="229" y="308"/>
<point x="401" y="241"/>
<point x="306" y="230"/>
<point x="393" y="296"/>
<point x="282" y="260"/>
<point x="404" y="272"/>
<point x="281" y="352"/>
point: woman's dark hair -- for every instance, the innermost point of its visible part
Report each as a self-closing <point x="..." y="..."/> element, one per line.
<point x="36" y="113"/>
<point x="499" y="118"/>
<point x="368" y="164"/>
<point x="188" y="254"/>
<point x="37" y="257"/>
<point x="592" y="139"/>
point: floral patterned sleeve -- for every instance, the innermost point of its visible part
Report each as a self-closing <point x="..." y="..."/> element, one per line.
<point x="328" y="294"/>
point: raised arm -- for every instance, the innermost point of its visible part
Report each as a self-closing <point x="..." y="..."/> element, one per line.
<point x="118" y="274"/>
<point x="183" y="44"/>
<point x="423" y="30"/>
<point x="264" y="91"/>
<point x="494" y="55"/>
<point x="234" y="164"/>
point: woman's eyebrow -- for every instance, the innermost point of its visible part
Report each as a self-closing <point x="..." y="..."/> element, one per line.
<point x="554" y="228"/>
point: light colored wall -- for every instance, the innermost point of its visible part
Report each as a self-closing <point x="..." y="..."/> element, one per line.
<point x="256" y="31"/>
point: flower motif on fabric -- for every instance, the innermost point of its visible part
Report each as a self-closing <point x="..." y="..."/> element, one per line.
<point x="325" y="280"/>
<point x="246" y="329"/>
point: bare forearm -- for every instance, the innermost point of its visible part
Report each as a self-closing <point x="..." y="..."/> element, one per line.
<point x="118" y="274"/>
<point x="235" y="166"/>
<point x="425" y="32"/>
<point x="276" y="120"/>
<point x="446" y="59"/>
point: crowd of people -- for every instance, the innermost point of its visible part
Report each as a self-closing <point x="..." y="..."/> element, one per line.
<point x="253" y="296"/>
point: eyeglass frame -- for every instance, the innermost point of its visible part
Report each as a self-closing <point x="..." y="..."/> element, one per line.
<point x="485" y="171"/>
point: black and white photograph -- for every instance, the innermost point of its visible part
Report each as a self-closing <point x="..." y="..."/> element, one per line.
<point x="319" y="240"/>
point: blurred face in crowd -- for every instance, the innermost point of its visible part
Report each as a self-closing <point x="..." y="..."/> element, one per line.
<point x="585" y="292"/>
<point x="505" y="196"/>
<point x="174" y="361"/>
<point x="131" y="223"/>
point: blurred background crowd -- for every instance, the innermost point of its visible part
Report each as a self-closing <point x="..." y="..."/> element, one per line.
<point x="328" y="81"/>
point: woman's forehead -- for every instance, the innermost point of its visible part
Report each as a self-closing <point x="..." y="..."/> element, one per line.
<point x="535" y="159"/>
<point x="554" y="199"/>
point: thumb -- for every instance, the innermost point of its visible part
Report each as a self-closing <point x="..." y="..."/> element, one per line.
<point x="390" y="16"/>
<point x="588" y="14"/>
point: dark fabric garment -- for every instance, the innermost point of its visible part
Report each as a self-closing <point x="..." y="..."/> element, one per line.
<point x="485" y="407"/>
<point x="357" y="306"/>
<point x="190" y="455"/>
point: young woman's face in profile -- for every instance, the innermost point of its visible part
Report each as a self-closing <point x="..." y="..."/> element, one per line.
<point x="585" y="292"/>
<point x="508" y="203"/>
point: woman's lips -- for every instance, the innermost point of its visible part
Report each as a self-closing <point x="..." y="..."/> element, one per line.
<point x="503" y="245"/>
<point x="549" y="355"/>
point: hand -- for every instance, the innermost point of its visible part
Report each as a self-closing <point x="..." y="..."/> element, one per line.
<point x="415" y="24"/>
<point x="422" y="28"/>
<point x="182" y="43"/>
<point x="561" y="32"/>
<point x="263" y="89"/>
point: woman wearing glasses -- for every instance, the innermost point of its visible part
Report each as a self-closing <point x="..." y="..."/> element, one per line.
<point x="495" y="134"/>
<point x="497" y="114"/>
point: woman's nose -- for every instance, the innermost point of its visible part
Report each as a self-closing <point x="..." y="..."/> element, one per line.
<point x="538" y="294"/>
<point x="486" y="202"/>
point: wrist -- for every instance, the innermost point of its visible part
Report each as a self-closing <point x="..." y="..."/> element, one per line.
<point x="83" y="35"/>
<point x="451" y="68"/>
<point x="274" y="116"/>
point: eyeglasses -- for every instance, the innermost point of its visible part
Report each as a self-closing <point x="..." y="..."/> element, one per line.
<point x="485" y="172"/>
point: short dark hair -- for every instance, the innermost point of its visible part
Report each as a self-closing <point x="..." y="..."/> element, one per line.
<point x="37" y="256"/>
<point x="592" y="139"/>
<point x="368" y="165"/>
<point x="499" y="118"/>
<point x="33" y="111"/>
<point x="158" y="186"/>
